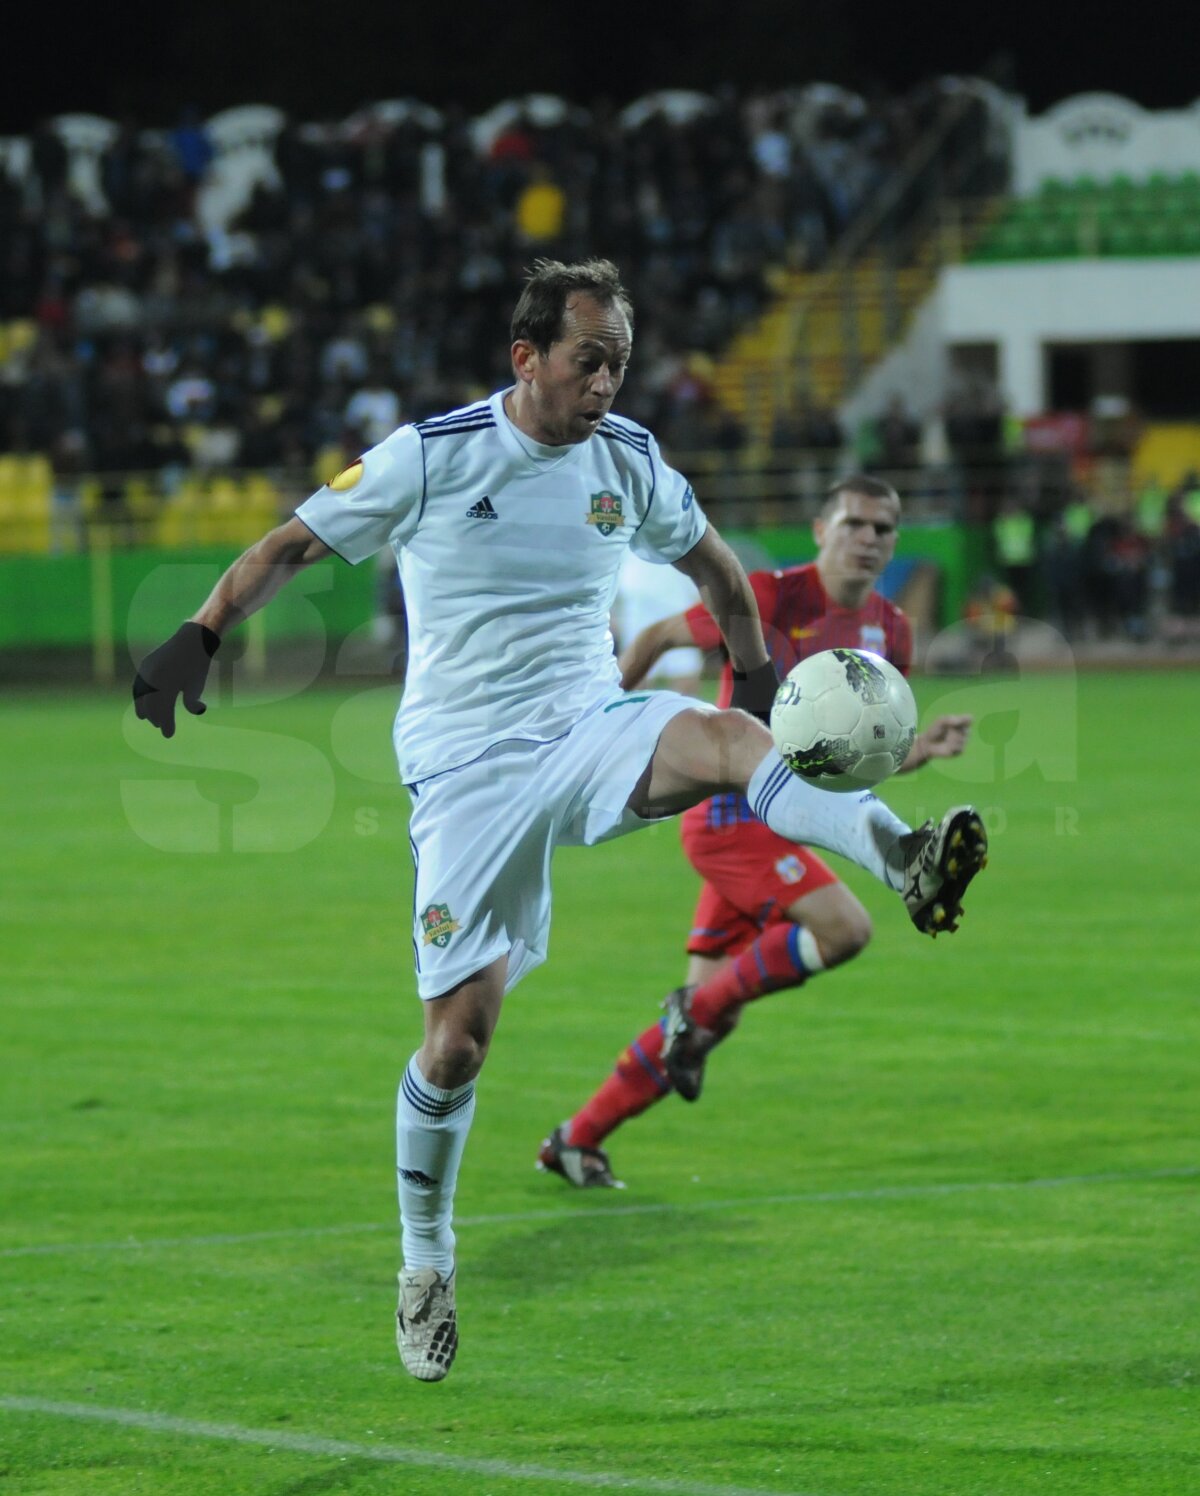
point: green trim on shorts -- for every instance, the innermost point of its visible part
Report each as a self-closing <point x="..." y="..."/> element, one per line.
<point x="628" y="701"/>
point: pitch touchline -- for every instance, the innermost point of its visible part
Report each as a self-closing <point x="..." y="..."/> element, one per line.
<point x="388" y="1454"/>
<point x="518" y="1217"/>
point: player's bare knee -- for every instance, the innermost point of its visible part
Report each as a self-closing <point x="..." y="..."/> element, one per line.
<point x="452" y="1055"/>
<point x="738" y="743"/>
<point x="845" y="935"/>
<point x="458" y="1031"/>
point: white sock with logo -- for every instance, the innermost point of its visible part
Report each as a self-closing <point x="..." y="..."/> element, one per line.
<point x="431" y="1133"/>
<point x="858" y="826"/>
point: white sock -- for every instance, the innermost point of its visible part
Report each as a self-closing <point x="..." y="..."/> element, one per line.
<point x="857" y="826"/>
<point x="810" y="951"/>
<point x="431" y="1133"/>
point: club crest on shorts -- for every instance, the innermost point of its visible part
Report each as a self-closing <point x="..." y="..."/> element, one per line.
<point x="607" y="514"/>
<point x="438" y="925"/>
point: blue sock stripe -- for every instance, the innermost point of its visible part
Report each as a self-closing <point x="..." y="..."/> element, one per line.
<point x="794" y="950"/>
<point x="419" y="1093"/>
<point x="759" y="962"/>
<point x="662" y="1084"/>
<point x="775" y="782"/>
<point x="430" y="1106"/>
<point x="437" y="1114"/>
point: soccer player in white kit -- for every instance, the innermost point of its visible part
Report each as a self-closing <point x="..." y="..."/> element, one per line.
<point x="509" y="520"/>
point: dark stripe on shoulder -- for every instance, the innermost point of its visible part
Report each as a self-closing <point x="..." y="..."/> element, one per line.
<point x="628" y="428"/>
<point x="464" y="420"/>
<point x="465" y="413"/>
<point x="613" y="435"/>
<point x="456" y="430"/>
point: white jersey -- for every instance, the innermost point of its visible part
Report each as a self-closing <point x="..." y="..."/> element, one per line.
<point x="509" y="553"/>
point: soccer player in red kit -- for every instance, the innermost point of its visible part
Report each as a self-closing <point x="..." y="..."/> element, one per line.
<point x="771" y="914"/>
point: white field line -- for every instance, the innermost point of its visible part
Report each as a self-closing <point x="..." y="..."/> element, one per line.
<point x="388" y="1454"/>
<point x="567" y="1213"/>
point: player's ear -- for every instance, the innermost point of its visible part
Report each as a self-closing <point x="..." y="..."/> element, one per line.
<point x="524" y="360"/>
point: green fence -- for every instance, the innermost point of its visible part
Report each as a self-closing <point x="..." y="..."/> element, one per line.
<point x="106" y="600"/>
<point x="141" y="596"/>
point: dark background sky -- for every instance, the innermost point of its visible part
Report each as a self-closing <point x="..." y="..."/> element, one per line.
<point x="319" y="59"/>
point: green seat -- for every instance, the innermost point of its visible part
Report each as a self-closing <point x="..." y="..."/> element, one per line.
<point x="1186" y="236"/>
<point x="998" y="240"/>
<point x="1055" y="240"/>
<point x="1119" y="237"/>
<point x="1140" y="205"/>
<point x="1158" y="238"/>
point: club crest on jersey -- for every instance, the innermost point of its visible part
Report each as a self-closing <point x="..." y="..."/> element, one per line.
<point x="871" y="636"/>
<point x="607" y="514"/>
<point x="438" y="925"/>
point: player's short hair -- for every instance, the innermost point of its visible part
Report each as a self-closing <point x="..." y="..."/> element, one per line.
<point x="860" y="483"/>
<point x="538" y="315"/>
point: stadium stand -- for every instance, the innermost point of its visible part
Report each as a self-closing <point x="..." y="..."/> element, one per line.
<point x="242" y="294"/>
<point x="200" y="324"/>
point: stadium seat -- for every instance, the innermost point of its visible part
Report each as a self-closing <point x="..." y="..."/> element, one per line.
<point x="328" y="463"/>
<point x="9" y="469"/>
<point x="1119" y="237"/>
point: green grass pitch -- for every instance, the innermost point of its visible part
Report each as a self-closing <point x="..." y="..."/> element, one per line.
<point x="932" y="1230"/>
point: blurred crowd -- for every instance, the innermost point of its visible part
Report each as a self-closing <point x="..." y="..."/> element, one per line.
<point x="1130" y="571"/>
<point x="369" y="276"/>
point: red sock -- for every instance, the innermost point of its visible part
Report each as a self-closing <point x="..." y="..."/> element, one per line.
<point x="638" y="1082"/>
<point x="771" y="963"/>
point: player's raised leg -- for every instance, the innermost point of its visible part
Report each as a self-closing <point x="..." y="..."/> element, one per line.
<point x="703" y="752"/>
<point x="434" y="1109"/>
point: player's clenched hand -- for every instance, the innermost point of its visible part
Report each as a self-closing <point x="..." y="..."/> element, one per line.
<point x="178" y="667"/>
<point x="754" y="691"/>
<point x="946" y="737"/>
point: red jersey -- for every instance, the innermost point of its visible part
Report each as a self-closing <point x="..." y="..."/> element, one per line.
<point x="800" y="619"/>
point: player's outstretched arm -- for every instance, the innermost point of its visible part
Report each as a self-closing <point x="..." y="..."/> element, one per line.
<point x="945" y="737"/>
<point x="638" y="658"/>
<point x="180" y="666"/>
<point x="729" y="597"/>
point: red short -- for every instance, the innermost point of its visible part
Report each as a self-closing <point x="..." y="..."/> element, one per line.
<point x="751" y="876"/>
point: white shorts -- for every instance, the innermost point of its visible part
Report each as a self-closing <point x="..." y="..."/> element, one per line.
<point x="483" y="835"/>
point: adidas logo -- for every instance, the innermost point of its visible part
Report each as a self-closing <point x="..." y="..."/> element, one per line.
<point x="417" y="1177"/>
<point x="482" y="510"/>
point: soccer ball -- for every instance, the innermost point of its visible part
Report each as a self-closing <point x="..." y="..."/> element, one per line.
<point x="844" y="719"/>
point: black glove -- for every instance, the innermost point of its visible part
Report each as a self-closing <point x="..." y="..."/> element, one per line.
<point x="179" y="665"/>
<point x="754" y="691"/>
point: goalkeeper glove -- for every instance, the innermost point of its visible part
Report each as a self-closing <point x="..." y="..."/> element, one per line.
<point x="754" y="691"/>
<point x="178" y="666"/>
